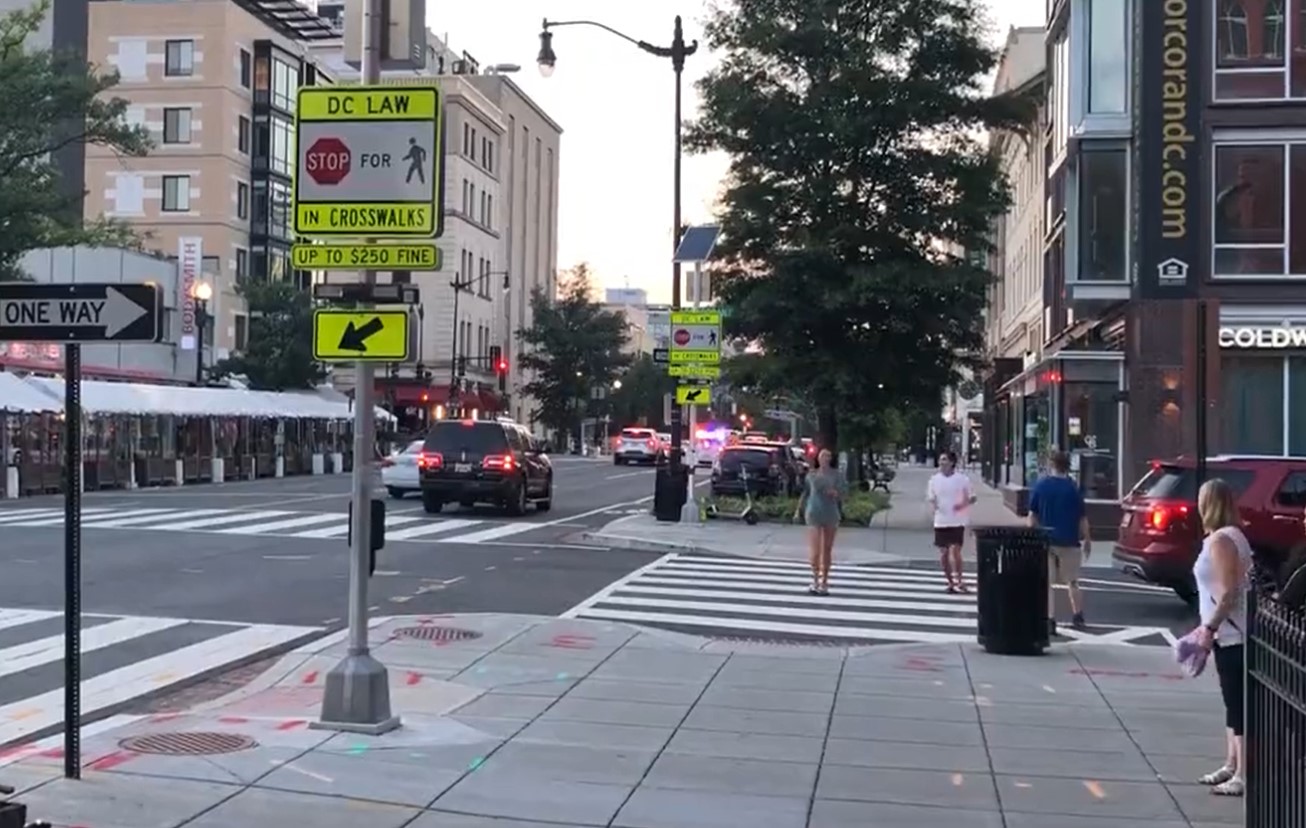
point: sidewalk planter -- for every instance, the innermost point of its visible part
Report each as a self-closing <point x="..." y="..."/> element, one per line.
<point x="858" y="510"/>
<point x="337" y="463"/>
<point x="1012" y="582"/>
<point x="219" y="471"/>
<point x="1276" y="714"/>
<point x="11" y="482"/>
<point x="319" y="464"/>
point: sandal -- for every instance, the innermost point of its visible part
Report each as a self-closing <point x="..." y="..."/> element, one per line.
<point x="1234" y="787"/>
<point x="952" y="590"/>
<point x="1219" y="777"/>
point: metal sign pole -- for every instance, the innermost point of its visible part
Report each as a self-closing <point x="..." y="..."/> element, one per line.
<point x="72" y="534"/>
<point x="357" y="697"/>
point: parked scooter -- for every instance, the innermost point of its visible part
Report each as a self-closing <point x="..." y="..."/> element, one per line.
<point x="748" y="514"/>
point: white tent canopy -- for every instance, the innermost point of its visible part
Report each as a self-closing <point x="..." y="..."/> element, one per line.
<point x="183" y="401"/>
<point x="20" y="397"/>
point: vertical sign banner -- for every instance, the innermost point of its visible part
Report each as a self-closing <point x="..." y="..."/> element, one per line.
<point x="1169" y="62"/>
<point x="190" y="258"/>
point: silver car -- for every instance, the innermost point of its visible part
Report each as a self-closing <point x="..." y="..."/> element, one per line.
<point x="637" y="445"/>
<point x="399" y="472"/>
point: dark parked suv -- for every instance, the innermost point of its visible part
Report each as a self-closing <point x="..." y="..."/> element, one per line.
<point x="771" y="470"/>
<point x="483" y="461"/>
<point x="1161" y="533"/>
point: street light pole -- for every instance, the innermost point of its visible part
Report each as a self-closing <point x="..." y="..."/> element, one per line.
<point x="677" y="51"/>
<point x="202" y="293"/>
<point x="458" y="288"/>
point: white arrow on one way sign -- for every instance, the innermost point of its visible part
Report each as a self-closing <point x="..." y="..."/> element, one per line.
<point x="114" y="312"/>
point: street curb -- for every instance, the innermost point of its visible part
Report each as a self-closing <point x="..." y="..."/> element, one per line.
<point x="627" y="543"/>
<point x="160" y="692"/>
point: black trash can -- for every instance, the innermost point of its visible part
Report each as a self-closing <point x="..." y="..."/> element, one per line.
<point x="1012" y="584"/>
<point x="670" y="489"/>
<point x="12" y="815"/>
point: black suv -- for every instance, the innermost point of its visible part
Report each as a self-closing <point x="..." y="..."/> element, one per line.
<point x="771" y="470"/>
<point x="480" y="461"/>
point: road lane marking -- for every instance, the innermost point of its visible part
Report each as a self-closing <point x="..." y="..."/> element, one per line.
<point x="430" y="529"/>
<point x="603" y="594"/>
<point x="234" y="517"/>
<point x="47" y="650"/>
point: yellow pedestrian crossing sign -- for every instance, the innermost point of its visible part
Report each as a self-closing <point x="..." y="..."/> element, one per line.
<point x="360" y="336"/>
<point x="693" y="395"/>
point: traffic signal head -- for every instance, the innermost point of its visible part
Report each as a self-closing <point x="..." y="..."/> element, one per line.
<point x="501" y="365"/>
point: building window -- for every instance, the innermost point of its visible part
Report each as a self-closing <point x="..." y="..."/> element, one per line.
<point x="467" y="138"/>
<point x="1108" y="56"/>
<point x="489" y="155"/>
<point x="489" y="211"/>
<point x="279" y="211"/>
<point x="467" y="197"/>
<point x="176" y="126"/>
<point x="246" y="69"/>
<point x="285" y="80"/>
<point x="242" y="330"/>
<point x="1251" y="60"/>
<point x="259" y="208"/>
<point x="1251" y="404"/>
<point x="176" y="193"/>
<point x="242" y="264"/>
<point x="283" y="142"/>
<point x="1256" y="189"/>
<point x="1103" y="215"/>
<point x="242" y="135"/>
<point x="242" y="200"/>
<point x="179" y="58"/>
<point x="1059" y="95"/>
<point x="483" y="212"/>
<point x="473" y="143"/>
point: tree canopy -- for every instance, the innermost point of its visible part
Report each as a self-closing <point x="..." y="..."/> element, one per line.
<point x="644" y="386"/>
<point x="50" y="101"/>
<point x="858" y="183"/>
<point x="279" y="354"/>
<point x="573" y="347"/>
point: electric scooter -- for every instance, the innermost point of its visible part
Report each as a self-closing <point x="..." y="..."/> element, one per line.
<point x="748" y="514"/>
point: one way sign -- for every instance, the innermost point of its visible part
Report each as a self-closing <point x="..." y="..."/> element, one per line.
<point x="83" y="312"/>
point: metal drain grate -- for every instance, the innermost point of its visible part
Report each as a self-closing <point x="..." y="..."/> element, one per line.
<point x="438" y="634"/>
<point x="188" y="744"/>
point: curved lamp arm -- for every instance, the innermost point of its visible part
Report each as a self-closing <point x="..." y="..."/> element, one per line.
<point x="641" y="44"/>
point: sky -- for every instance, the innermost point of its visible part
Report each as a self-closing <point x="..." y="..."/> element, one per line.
<point x="615" y="104"/>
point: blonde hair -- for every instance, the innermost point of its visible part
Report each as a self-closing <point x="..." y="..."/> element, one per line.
<point x="1217" y="505"/>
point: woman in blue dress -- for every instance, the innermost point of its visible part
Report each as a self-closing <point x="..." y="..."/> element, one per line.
<point x="819" y="507"/>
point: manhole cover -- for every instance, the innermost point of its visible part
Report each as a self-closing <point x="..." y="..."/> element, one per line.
<point x="188" y="744"/>
<point x="440" y="634"/>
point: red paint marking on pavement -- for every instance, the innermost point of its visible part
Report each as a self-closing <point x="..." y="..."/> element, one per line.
<point x="52" y="753"/>
<point x="918" y="664"/>
<point x="165" y="717"/>
<point x="572" y="642"/>
<point x="233" y="720"/>
<point x="292" y="724"/>
<point x="413" y="678"/>
<point x="111" y="761"/>
<point x="311" y="677"/>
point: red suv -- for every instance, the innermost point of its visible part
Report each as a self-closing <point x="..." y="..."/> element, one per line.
<point x="1161" y="532"/>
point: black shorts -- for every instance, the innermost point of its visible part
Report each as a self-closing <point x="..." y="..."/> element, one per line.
<point x="1230" y="666"/>
<point x="945" y="536"/>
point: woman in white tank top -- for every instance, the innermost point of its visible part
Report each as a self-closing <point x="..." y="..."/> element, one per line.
<point x="1223" y="582"/>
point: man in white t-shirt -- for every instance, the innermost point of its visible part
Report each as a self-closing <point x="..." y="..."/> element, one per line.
<point x="951" y="497"/>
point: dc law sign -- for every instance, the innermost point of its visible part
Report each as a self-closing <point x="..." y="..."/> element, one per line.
<point x="1283" y="337"/>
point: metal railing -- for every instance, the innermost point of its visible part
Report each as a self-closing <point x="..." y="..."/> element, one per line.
<point x="1275" y="744"/>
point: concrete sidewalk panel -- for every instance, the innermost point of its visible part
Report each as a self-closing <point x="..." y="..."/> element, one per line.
<point x="685" y="771"/>
<point x="906" y="755"/>
<point x="911" y="688"/>
<point x="590" y="734"/>
<point x="802" y="749"/>
<point x="1062" y="759"/>
<point x="807" y="660"/>
<point x="1087" y="797"/>
<point x="568" y="763"/>
<point x="938" y="710"/>
<point x="119" y="800"/>
<point x="1024" y="736"/>
<point x="666" y="808"/>
<point x="446" y="819"/>
<point x="909" y="787"/>
<point x="505" y="706"/>
<point x="601" y="689"/>
<point x="884" y="729"/>
<point x="597" y="711"/>
<point x="396" y="776"/>
<point x="833" y="813"/>
<point x="736" y="720"/>
<point x="258" y="807"/>
<point x="747" y="678"/>
<point x="664" y="667"/>
<point x="747" y="698"/>
<point x="1050" y="715"/>
<point x="525" y="796"/>
<point x="1202" y="807"/>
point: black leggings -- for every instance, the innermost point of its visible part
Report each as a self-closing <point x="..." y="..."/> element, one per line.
<point x="1230" y="665"/>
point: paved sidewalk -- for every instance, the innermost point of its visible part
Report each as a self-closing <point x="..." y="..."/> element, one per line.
<point x="519" y="722"/>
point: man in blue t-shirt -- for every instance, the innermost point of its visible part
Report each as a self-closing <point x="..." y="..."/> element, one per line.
<point x="1057" y="505"/>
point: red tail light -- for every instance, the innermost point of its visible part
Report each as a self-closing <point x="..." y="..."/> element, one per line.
<point x="430" y="460"/>
<point x="1161" y="518"/>
<point x="499" y="461"/>
<point x="652" y="443"/>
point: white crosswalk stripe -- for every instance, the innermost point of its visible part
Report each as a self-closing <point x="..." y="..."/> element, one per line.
<point x="280" y="523"/>
<point x="124" y="658"/>
<point x="748" y="598"/>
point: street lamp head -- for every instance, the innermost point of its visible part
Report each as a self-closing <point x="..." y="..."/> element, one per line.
<point x="203" y="291"/>
<point x="616" y="385"/>
<point x="547" y="59"/>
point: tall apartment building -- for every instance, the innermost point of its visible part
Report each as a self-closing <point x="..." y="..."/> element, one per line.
<point x="1175" y="137"/>
<point x="214" y="81"/>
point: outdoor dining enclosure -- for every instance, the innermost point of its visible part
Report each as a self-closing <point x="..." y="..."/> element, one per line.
<point x="137" y="435"/>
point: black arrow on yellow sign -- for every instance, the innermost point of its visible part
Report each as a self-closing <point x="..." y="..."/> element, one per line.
<point x="691" y="396"/>
<point x="355" y="339"/>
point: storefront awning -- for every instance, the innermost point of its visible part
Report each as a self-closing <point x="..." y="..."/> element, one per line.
<point x="184" y="401"/>
<point x="19" y="397"/>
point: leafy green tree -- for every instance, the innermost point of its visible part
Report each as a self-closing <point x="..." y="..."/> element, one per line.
<point x="857" y="177"/>
<point x="279" y="355"/>
<point x="50" y="102"/>
<point x="573" y="347"/>
<point x="644" y="386"/>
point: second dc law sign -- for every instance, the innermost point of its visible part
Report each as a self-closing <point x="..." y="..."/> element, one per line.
<point x="369" y="161"/>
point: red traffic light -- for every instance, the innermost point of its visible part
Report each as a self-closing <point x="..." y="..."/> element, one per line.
<point x="501" y="366"/>
<point x="426" y="397"/>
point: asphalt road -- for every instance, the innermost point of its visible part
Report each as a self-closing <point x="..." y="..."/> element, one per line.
<point x="146" y="567"/>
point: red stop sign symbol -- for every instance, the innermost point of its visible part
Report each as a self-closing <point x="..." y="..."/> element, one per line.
<point x="327" y="161"/>
<point x="682" y="337"/>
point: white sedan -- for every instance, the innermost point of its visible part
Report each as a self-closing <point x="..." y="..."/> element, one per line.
<point x="399" y="473"/>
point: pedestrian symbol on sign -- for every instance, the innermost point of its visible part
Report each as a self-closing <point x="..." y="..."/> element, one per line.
<point x="711" y="338"/>
<point x="416" y="157"/>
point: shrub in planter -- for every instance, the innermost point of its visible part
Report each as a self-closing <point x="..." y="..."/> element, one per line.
<point x="858" y="507"/>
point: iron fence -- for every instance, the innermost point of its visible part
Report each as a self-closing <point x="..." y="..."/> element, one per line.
<point x="1275" y="748"/>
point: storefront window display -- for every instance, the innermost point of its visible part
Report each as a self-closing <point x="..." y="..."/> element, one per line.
<point x="1262" y="404"/>
<point x="1036" y="436"/>
<point x="1092" y="435"/>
